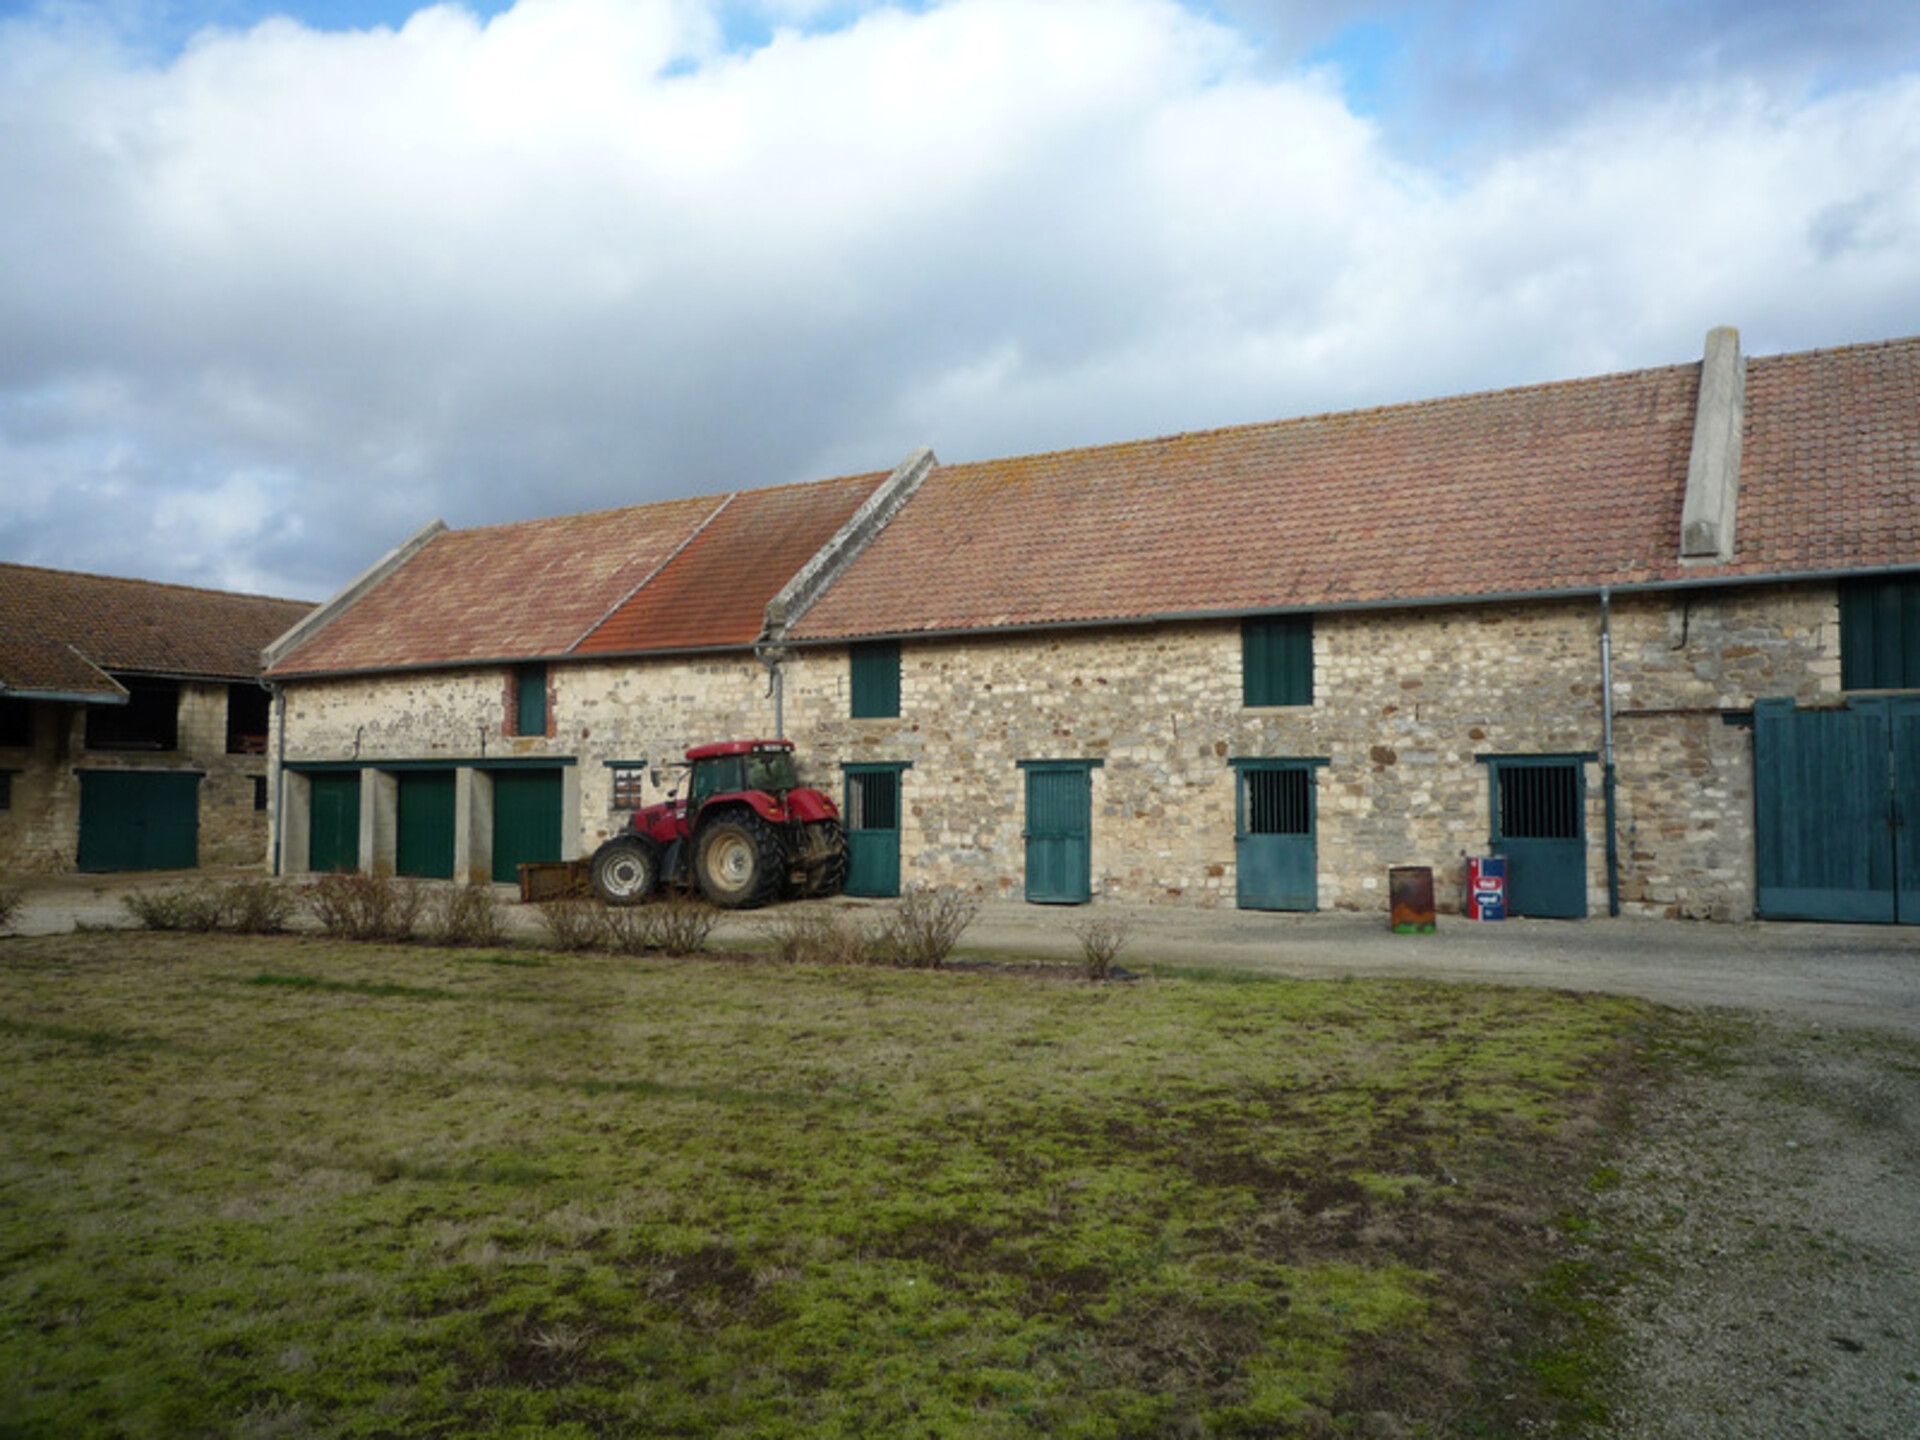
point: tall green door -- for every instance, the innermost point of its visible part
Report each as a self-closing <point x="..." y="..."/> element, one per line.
<point x="873" y="829"/>
<point x="526" y="820"/>
<point x="423" y="843"/>
<point x="1274" y="851"/>
<point x="1837" y="811"/>
<point x="1540" y="825"/>
<point x="1059" y="831"/>
<point x="333" y="810"/>
<point x="139" y="820"/>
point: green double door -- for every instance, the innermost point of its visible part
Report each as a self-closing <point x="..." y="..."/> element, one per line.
<point x="872" y="815"/>
<point x="526" y="820"/>
<point x="333" y="827"/>
<point x="139" y="820"/>
<point x="1837" y="811"/>
<point x="1540" y="826"/>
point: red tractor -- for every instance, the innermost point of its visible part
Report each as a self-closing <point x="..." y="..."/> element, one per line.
<point x="748" y="832"/>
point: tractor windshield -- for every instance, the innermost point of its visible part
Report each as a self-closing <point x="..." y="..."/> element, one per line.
<point x="772" y="770"/>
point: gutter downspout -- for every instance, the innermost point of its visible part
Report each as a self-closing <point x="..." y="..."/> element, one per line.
<point x="771" y="656"/>
<point x="1607" y="780"/>
<point x="279" y="772"/>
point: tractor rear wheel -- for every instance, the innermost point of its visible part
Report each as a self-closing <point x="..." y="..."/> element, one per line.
<point x="824" y="860"/>
<point x="625" y="871"/>
<point x="738" y="861"/>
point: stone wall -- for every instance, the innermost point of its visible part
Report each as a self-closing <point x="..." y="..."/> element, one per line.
<point x="40" y="831"/>
<point x="1405" y="704"/>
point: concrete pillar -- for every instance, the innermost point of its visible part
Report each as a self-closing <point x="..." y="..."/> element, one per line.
<point x="472" y="826"/>
<point x="379" y="822"/>
<point x="296" y="823"/>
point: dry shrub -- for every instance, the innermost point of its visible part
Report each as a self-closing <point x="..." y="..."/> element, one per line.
<point x="464" y="915"/>
<point x="366" y="907"/>
<point x="1101" y="942"/>
<point x="820" y="937"/>
<point x="10" y="901"/>
<point x="922" y="929"/>
<point x="260" y="907"/>
<point x="572" y="923"/>
<point x="624" y="929"/>
<point x="196" y="908"/>
<point x="681" y="925"/>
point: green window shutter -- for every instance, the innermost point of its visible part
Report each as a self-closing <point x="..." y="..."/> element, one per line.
<point x="1880" y="635"/>
<point x="529" y="699"/>
<point x="1277" y="660"/>
<point x="875" y="677"/>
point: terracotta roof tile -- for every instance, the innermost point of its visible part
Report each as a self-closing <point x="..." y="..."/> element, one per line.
<point x="60" y="629"/>
<point x="715" y="591"/>
<point x="678" y="574"/>
<point x="1552" y="487"/>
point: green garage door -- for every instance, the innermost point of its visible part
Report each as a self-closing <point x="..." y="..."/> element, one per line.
<point x="333" y="839"/>
<point x="139" y="820"/>
<point x="423" y="844"/>
<point x="526" y="820"/>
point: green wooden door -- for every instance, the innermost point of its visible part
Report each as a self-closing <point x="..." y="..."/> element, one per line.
<point x="333" y="821"/>
<point x="526" y="820"/>
<point x="1275" y="861"/>
<point x="139" y="820"/>
<point x="873" y="830"/>
<point x="1540" y="825"/>
<point x="423" y="842"/>
<point x="1836" y="795"/>
<point x="1059" y="831"/>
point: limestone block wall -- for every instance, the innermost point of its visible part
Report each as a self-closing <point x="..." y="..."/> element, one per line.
<point x="40" y="831"/>
<point x="1404" y="704"/>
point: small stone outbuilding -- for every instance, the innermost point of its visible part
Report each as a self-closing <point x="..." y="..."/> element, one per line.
<point x="133" y="722"/>
<point x="1651" y="638"/>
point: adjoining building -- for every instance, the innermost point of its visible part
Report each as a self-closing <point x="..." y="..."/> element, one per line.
<point x="1653" y="637"/>
<point x="133" y="722"/>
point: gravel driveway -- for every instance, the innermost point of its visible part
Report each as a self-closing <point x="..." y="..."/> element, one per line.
<point x="1772" y="1199"/>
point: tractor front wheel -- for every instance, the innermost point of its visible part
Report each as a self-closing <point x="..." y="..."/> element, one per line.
<point x="738" y="862"/>
<point x="625" y="871"/>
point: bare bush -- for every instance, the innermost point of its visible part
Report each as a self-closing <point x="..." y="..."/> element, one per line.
<point x="922" y="929"/>
<point x="464" y="915"/>
<point x="1101" y="942"/>
<point x="260" y="907"/>
<point x="680" y="924"/>
<point x="366" y="907"/>
<point x="623" y="929"/>
<point x="572" y="923"/>
<point x="820" y="937"/>
<point x="195" y="908"/>
<point x="10" y="902"/>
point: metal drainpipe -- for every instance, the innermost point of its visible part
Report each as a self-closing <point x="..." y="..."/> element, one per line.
<point x="279" y="771"/>
<point x="771" y="657"/>
<point x="1607" y="789"/>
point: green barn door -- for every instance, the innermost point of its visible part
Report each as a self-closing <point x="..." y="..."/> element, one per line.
<point x="873" y="830"/>
<point x="423" y="843"/>
<point x="526" y="820"/>
<point x="1275" y="859"/>
<point x="139" y="820"/>
<point x="1540" y="825"/>
<point x="1906" y="810"/>
<point x="1836" y="806"/>
<point x="333" y="833"/>
<point x="1059" y="832"/>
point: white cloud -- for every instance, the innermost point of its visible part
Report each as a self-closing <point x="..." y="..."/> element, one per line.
<point x="286" y="294"/>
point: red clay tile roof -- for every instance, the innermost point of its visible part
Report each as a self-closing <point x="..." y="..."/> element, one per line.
<point x="60" y="630"/>
<point x="1556" y="487"/>
<point x="715" y="592"/>
<point x="678" y="574"/>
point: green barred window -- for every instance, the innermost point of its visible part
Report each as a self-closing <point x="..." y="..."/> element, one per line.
<point x="1276" y="660"/>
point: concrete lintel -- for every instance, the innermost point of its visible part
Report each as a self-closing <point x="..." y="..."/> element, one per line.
<point x="331" y="610"/>
<point x="1713" y="466"/>
<point x="827" y="564"/>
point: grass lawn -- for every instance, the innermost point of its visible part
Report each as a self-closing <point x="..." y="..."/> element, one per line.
<point x="291" y="1187"/>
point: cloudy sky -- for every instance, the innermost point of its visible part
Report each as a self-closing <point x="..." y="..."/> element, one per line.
<point x="282" y="280"/>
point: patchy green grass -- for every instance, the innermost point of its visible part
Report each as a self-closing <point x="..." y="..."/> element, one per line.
<point x="278" y="1187"/>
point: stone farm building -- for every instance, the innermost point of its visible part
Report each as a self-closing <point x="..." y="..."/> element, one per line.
<point x="133" y="722"/>
<point x="1654" y="637"/>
